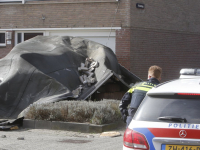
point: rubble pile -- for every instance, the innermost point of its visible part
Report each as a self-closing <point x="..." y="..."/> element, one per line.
<point x="87" y="76"/>
<point x="87" y="71"/>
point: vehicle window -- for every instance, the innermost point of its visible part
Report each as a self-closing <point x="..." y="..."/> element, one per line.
<point x="152" y="108"/>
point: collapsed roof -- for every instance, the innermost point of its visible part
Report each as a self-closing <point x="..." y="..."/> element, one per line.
<point x="55" y="68"/>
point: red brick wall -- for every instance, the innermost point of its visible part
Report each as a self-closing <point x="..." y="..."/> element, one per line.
<point x="123" y="39"/>
<point x="63" y="14"/>
<point x="59" y="15"/>
<point x="4" y="50"/>
<point x="169" y="50"/>
<point x="165" y="33"/>
<point x="160" y="34"/>
<point x="176" y="15"/>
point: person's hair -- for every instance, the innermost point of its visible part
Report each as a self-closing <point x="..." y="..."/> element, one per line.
<point x="155" y="71"/>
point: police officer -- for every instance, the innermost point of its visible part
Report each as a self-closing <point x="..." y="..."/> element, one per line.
<point x="136" y="94"/>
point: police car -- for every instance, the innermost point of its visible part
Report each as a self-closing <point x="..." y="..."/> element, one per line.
<point x="169" y="116"/>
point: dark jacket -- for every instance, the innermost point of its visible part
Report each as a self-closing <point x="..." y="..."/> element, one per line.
<point x="134" y="97"/>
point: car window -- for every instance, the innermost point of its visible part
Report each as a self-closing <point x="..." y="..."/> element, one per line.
<point x="154" y="107"/>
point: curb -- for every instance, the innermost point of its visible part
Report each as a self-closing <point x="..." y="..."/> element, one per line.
<point x="71" y="126"/>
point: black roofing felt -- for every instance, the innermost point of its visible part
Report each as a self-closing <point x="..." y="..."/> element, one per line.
<point x="45" y="69"/>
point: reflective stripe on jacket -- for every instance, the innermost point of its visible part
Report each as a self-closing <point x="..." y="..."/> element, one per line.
<point x="134" y="97"/>
<point x="138" y="94"/>
<point x="142" y="87"/>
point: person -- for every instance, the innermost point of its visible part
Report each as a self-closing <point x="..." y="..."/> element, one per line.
<point x="136" y="94"/>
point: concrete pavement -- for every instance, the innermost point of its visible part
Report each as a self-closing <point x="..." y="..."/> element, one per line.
<point x="43" y="139"/>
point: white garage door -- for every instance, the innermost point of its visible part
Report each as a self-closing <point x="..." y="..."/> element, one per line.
<point x="101" y="36"/>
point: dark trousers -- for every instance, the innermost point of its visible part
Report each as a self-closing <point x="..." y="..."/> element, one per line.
<point x="128" y="120"/>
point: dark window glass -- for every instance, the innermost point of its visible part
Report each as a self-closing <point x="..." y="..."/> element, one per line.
<point x="19" y="38"/>
<point x="30" y="35"/>
<point x="2" y="38"/>
<point x="152" y="108"/>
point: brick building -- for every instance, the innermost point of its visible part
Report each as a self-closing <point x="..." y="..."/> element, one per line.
<point x="141" y="33"/>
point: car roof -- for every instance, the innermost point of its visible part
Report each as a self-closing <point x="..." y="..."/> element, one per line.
<point x="177" y="86"/>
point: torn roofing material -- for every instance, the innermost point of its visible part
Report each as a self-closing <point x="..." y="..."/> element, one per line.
<point x="45" y="69"/>
<point x="11" y="124"/>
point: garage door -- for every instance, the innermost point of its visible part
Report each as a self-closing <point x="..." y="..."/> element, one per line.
<point x="102" y="36"/>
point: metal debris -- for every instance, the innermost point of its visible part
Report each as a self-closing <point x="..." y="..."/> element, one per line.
<point x="87" y="71"/>
<point x="49" y="68"/>
<point x="3" y="120"/>
<point x="87" y="76"/>
<point x="77" y="91"/>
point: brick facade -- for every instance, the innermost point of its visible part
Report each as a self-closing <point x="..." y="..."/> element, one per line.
<point x="59" y="15"/>
<point x="123" y="47"/>
<point x="170" y="50"/>
<point x="4" y="50"/>
<point x="164" y="33"/>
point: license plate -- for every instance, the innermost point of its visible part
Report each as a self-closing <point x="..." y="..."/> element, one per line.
<point x="180" y="147"/>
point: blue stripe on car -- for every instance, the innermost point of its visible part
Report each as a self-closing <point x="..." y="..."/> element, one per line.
<point x="149" y="136"/>
<point x="163" y="147"/>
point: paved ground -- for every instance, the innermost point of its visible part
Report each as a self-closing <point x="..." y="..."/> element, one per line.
<point x="40" y="139"/>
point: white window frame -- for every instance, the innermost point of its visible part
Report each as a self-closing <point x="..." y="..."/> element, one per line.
<point x="16" y="1"/>
<point x="3" y="44"/>
<point x="80" y="32"/>
<point x="10" y="1"/>
<point x="22" y="32"/>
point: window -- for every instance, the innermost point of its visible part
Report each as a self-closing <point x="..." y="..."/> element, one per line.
<point x="11" y="1"/>
<point x="17" y="1"/>
<point x="154" y="107"/>
<point x="19" y="38"/>
<point x="23" y="36"/>
<point x="2" y="39"/>
<point x="28" y="36"/>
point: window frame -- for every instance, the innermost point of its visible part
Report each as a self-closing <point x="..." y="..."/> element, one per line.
<point x="16" y="1"/>
<point x="12" y="1"/>
<point x="22" y="35"/>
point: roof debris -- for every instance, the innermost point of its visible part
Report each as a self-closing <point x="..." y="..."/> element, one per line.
<point x="49" y="69"/>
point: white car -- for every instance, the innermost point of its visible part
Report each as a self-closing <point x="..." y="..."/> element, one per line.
<point x="169" y="116"/>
